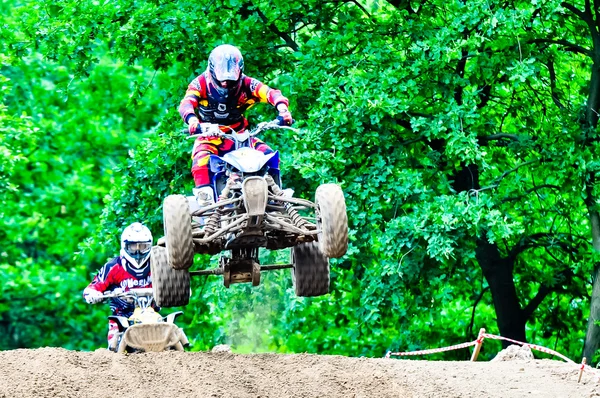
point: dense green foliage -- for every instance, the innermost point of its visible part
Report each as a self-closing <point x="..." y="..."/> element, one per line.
<point x="459" y="132"/>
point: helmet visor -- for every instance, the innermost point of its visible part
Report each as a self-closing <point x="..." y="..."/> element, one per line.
<point x="138" y="249"/>
<point x="227" y="68"/>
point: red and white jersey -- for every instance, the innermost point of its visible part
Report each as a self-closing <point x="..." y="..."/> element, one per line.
<point x="203" y="100"/>
<point x="118" y="273"/>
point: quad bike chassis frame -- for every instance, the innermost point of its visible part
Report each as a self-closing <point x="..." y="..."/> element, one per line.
<point x="250" y="212"/>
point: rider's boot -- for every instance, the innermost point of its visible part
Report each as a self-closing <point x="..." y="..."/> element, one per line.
<point x="205" y="197"/>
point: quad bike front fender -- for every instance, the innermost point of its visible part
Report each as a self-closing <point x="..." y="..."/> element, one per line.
<point x="153" y="337"/>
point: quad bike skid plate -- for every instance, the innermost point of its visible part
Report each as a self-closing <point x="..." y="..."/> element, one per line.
<point x="240" y="271"/>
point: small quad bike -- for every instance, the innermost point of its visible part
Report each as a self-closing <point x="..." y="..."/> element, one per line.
<point x="145" y="330"/>
<point x="250" y="212"/>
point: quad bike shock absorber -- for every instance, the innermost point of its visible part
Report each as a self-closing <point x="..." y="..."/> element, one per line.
<point x="296" y="218"/>
<point x="213" y="221"/>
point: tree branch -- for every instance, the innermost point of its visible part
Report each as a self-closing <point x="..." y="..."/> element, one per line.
<point x="286" y="37"/>
<point x="545" y="239"/>
<point x="408" y="142"/>
<point x="402" y="5"/>
<point x="587" y="18"/>
<point x="499" y="179"/>
<point x="484" y="95"/>
<point x="527" y="242"/>
<point x="404" y="123"/>
<point x="460" y="71"/>
<point x="565" y="43"/>
<point x="500" y="136"/>
<point x="363" y="9"/>
<point x="527" y="192"/>
<point x="553" y="89"/>
<point x="535" y="302"/>
<point x="477" y="300"/>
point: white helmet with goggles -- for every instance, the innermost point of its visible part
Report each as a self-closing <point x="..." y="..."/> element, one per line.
<point x="136" y="242"/>
<point x="225" y="67"/>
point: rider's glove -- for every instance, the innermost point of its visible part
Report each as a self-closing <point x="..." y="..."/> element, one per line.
<point x="92" y="296"/>
<point x="285" y="117"/>
<point x="209" y="130"/>
<point x="193" y="124"/>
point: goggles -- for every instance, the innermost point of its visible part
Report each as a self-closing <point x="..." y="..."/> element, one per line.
<point x="138" y="248"/>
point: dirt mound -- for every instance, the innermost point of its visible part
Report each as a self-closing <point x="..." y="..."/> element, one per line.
<point x="514" y="353"/>
<point x="56" y="372"/>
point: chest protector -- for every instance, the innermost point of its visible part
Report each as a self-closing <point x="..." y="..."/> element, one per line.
<point x="225" y="110"/>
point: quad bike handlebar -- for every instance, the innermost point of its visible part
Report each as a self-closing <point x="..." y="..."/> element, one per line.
<point x="130" y="295"/>
<point x="233" y="135"/>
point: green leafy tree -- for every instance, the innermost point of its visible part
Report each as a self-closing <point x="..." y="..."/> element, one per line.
<point x="461" y="133"/>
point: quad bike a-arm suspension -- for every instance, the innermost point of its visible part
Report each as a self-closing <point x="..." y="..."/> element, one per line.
<point x="290" y="221"/>
<point x="277" y="223"/>
<point x="273" y="223"/>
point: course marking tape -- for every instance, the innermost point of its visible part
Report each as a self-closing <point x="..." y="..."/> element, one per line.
<point x="482" y="336"/>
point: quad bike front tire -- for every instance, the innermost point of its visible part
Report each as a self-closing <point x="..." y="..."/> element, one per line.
<point x="332" y="220"/>
<point x="310" y="271"/>
<point x="177" y="222"/>
<point x="171" y="286"/>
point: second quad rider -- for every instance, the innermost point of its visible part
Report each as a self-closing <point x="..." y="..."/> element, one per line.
<point x="221" y="95"/>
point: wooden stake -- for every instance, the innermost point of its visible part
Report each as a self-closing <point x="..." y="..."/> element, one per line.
<point x="583" y="361"/>
<point x="478" y="345"/>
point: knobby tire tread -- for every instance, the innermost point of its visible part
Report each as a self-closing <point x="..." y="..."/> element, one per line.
<point x="333" y="220"/>
<point x="310" y="273"/>
<point x="171" y="286"/>
<point x="178" y="231"/>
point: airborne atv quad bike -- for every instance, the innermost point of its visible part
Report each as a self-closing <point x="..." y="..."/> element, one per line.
<point x="145" y="330"/>
<point x="250" y="212"/>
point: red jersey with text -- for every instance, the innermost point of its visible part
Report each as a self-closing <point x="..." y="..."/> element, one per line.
<point x="118" y="273"/>
<point x="203" y="100"/>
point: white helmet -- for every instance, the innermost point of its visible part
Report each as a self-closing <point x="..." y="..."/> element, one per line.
<point x="136" y="242"/>
<point x="225" y="63"/>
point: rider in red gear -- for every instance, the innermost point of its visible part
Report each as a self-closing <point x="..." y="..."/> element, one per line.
<point x="131" y="269"/>
<point x="221" y="95"/>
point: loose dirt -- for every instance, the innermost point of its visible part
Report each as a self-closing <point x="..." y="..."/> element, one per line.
<point x="56" y="372"/>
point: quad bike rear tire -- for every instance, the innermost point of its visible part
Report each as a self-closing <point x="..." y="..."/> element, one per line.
<point x="332" y="220"/>
<point x="177" y="222"/>
<point x="171" y="286"/>
<point x="310" y="271"/>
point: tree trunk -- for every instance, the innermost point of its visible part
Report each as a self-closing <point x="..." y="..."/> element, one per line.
<point x="498" y="271"/>
<point x="592" y="337"/>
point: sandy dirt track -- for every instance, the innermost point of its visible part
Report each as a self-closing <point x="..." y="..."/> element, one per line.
<point x="56" y="372"/>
